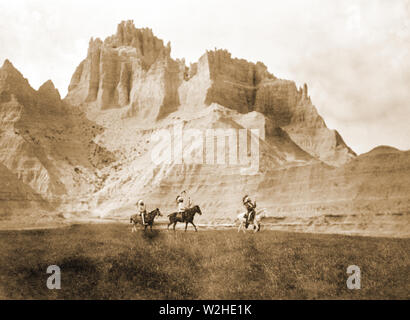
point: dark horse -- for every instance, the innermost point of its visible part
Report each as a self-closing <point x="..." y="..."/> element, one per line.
<point x="187" y="217"/>
<point x="149" y="219"/>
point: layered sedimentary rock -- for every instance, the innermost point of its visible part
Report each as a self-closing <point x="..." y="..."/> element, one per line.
<point x="245" y="87"/>
<point x="45" y="144"/>
<point x="295" y="181"/>
<point x="16" y="196"/>
<point x="94" y="154"/>
<point x="369" y="195"/>
<point x="133" y="70"/>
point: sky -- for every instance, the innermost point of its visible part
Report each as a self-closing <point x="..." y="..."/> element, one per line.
<point x="353" y="54"/>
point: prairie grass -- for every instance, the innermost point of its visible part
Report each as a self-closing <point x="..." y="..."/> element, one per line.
<point x="109" y="262"/>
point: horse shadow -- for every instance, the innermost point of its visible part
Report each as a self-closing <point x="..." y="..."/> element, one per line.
<point x="152" y="235"/>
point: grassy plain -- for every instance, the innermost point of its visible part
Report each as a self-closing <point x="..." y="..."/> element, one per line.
<point x="107" y="261"/>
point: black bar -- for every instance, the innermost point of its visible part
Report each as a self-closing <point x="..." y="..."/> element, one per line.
<point x="154" y="309"/>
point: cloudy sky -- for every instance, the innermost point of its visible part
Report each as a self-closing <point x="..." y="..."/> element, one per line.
<point x="354" y="55"/>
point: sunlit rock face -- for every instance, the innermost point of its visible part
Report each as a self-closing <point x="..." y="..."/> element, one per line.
<point x="46" y="147"/>
<point x="131" y="69"/>
<point x="246" y="87"/>
<point x="90" y="155"/>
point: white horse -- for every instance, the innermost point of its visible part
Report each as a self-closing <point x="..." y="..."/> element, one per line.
<point x="256" y="221"/>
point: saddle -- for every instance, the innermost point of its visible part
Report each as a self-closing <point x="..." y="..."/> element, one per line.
<point x="180" y="215"/>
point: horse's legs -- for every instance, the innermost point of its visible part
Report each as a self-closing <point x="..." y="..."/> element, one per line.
<point x="256" y="227"/>
<point x="175" y="223"/>
<point x="194" y="226"/>
<point x="244" y="227"/>
<point x="151" y="227"/>
<point x="186" y="226"/>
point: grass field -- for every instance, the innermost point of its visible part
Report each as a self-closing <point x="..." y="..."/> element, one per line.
<point x="109" y="262"/>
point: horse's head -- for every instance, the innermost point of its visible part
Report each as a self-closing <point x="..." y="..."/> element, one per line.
<point x="198" y="209"/>
<point x="155" y="213"/>
<point x="159" y="214"/>
<point x="133" y="218"/>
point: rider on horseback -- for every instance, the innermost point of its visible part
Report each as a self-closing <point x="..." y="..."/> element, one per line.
<point x="181" y="204"/>
<point x="250" y="207"/>
<point x="142" y="210"/>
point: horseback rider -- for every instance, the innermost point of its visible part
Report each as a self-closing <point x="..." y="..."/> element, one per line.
<point x="142" y="210"/>
<point x="250" y="209"/>
<point x="182" y="204"/>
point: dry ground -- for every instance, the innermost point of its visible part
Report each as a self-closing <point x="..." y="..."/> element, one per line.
<point x="107" y="261"/>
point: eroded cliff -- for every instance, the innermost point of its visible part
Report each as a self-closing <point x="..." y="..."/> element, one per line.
<point x="91" y="154"/>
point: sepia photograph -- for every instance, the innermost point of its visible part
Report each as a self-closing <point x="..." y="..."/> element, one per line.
<point x="189" y="151"/>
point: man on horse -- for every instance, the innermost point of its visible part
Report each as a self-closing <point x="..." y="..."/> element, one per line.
<point x="142" y="210"/>
<point x="250" y="209"/>
<point x="183" y="204"/>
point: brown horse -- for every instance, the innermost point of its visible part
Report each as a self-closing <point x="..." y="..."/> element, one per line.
<point x="149" y="219"/>
<point x="187" y="217"/>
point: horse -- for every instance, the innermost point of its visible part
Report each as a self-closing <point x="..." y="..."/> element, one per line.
<point x="149" y="219"/>
<point x="256" y="221"/>
<point x="187" y="217"/>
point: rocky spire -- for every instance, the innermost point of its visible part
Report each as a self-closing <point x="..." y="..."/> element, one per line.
<point x="148" y="46"/>
<point x="13" y="83"/>
<point x="9" y="71"/>
<point x="48" y="96"/>
<point x="305" y="92"/>
<point x="118" y="70"/>
<point x="7" y="65"/>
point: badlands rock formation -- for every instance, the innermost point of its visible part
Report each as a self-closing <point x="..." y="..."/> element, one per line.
<point x="133" y="70"/>
<point x="91" y="154"/>
<point x="43" y="145"/>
